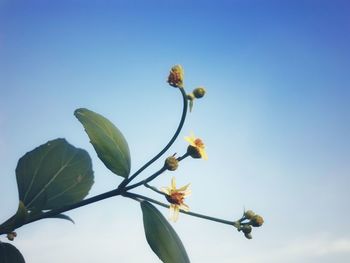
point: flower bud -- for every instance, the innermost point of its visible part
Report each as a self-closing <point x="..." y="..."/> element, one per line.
<point x="176" y="76"/>
<point x="247" y="229"/>
<point x="190" y="96"/>
<point x="257" y="221"/>
<point x="199" y="92"/>
<point x="11" y="236"/>
<point x="171" y="163"/>
<point x="248" y="235"/>
<point x="249" y="214"/>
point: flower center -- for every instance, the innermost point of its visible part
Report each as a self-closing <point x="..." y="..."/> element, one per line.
<point x="199" y="143"/>
<point x="176" y="198"/>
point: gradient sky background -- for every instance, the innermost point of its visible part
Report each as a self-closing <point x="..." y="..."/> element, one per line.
<point x="276" y="120"/>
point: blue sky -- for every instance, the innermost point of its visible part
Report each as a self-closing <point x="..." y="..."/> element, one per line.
<point x="276" y="120"/>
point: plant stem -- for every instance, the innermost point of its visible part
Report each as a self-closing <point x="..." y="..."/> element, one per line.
<point x="154" y="189"/>
<point x="138" y="197"/>
<point x="61" y="210"/>
<point x="183" y="157"/>
<point x="177" y="132"/>
<point x="153" y="176"/>
<point x="146" y="180"/>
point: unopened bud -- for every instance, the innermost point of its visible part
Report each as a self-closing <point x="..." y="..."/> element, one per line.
<point x="199" y="92"/>
<point x="246" y="229"/>
<point x="257" y="221"/>
<point x="171" y="163"/>
<point x="190" y="96"/>
<point x="249" y="214"/>
<point x="249" y="235"/>
<point x="11" y="236"/>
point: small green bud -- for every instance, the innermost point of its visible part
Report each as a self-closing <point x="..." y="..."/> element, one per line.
<point x="248" y="235"/>
<point x="257" y="221"/>
<point x="249" y="214"/>
<point x="190" y="96"/>
<point x="199" y="92"/>
<point x="247" y="229"/>
<point x="171" y="163"/>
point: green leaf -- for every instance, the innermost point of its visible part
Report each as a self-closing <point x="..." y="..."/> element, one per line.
<point x="16" y="220"/>
<point x="53" y="175"/>
<point x="63" y="216"/>
<point x="109" y="143"/>
<point x="161" y="237"/>
<point x="10" y="254"/>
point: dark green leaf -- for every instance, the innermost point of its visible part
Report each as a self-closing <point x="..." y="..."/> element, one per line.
<point x="109" y="143"/>
<point x="63" y="216"/>
<point x="161" y="237"/>
<point x="53" y="175"/>
<point x="10" y="254"/>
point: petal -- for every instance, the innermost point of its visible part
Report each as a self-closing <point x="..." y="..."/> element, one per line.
<point x="171" y="211"/>
<point x="176" y="213"/>
<point x="203" y="153"/>
<point x="187" y="193"/>
<point x="173" y="183"/>
<point x="184" y="207"/>
<point x="184" y="188"/>
<point x="165" y="190"/>
<point x="189" y="140"/>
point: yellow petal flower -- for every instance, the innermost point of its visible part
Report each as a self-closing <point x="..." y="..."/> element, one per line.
<point x="196" y="148"/>
<point x="176" y="198"/>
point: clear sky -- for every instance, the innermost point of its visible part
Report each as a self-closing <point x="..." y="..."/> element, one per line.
<point x="276" y="120"/>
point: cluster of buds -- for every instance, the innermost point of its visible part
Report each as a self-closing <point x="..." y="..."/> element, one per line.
<point x="176" y="76"/>
<point x="176" y="79"/>
<point x="247" y="222"/>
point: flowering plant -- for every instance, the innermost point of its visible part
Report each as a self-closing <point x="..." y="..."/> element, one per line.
<point x="55" y="178"/>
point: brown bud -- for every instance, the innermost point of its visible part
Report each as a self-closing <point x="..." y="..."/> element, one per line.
<point x="171" y="163"/>
<point x="249" y="214"/>
<point x="257" y="221"/>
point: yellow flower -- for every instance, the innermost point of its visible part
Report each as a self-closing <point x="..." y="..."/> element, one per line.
<point x="196" y="149"/>
<point x="176" y="76"/>
<point x="176" y="198"/>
